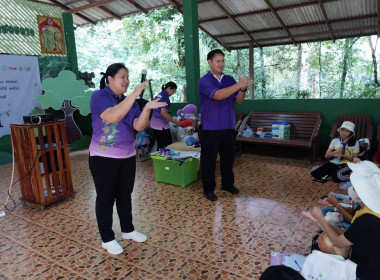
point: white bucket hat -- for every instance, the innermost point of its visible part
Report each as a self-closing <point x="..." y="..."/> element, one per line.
<point x="366" y="180"/>
<point x="348" y="125"/>
<point x="364" y="167"/>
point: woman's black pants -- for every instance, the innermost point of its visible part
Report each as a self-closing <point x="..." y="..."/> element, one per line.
<point x="114" y="180"/>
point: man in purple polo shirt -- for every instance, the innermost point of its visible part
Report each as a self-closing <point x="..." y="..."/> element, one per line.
<point x="218" y="94"/>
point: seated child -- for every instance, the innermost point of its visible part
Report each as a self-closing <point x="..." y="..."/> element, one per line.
<point x="335" y="201"/>
<point x="363" y="235"/>
<point x="342" y="150"/>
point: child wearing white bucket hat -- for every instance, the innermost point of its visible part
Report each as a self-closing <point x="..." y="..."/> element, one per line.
<point x="363" y="234"/>
<point x="340" y="151"/>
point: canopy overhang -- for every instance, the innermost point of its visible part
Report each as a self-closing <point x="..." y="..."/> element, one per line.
<point x="239" y="24"/>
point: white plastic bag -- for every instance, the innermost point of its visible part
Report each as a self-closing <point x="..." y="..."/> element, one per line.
<point x="322" y="266"/>
<point x="247" y="132"/>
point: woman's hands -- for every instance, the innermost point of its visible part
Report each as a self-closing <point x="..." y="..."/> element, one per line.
<point x="139" y="88"/>
<point x="154" y="104"/>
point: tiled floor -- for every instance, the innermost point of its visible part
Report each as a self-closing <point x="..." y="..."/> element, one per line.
<point x="189" y="237"/>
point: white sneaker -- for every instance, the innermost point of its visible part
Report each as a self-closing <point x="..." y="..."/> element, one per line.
<point x="134" y="235"/>
<point x="113" y="247"/>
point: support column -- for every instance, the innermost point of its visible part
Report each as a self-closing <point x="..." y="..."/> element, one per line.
<point x="71" y="50"/>
<point x="251" y="71"/>
<point x="190" y="19"/>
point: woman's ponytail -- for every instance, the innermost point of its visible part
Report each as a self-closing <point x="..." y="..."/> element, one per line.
<point x="171" y="85"/>
<point x="103" y="80"/>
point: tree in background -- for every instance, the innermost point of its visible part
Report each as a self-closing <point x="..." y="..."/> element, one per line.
<point x="373" y="55"/>
<point x="155" y="41"/>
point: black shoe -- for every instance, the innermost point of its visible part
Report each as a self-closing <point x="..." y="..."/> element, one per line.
<point x="210" y="196"/>
<point x="322" y="181"/>
<point x="232" y="190"/>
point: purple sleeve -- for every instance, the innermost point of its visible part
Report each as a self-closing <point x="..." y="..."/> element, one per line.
<point x="100" y="101"/>
<point x="206" y="88"/>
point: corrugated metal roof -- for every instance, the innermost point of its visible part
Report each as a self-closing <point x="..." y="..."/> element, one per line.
<point x="242" y="6"/>
<point x="221" y="27"/>
<point x="231" y="39"/>
<point x="263" y="22"/>
<point x="259" y="21"/>
<point x="286" y="3"/>
<point x="301" y="15"/>
<point x="208" y="10"/>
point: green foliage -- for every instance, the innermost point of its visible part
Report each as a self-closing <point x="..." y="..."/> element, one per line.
<point x="50" y="66"/>
<point x="37" y="110"/>
<point x="65" y="87"/>
<point x="156" y="42"/>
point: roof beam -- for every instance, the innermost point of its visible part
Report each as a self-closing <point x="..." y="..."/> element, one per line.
<point x="88" y="6"/>
<point x="266" y="10"/>
<point x="138" y="6"/>
<point x="274" y="12"/>
<point x="236" y="22"/>
<point x="300" y="42"/>
<point x="65" y="8"/>
<point x="326" y="18"/>
<point x="310" y="35"/>
<point x="302" y="25"/>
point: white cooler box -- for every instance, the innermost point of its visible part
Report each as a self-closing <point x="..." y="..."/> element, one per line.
<point x="281" y="130"/>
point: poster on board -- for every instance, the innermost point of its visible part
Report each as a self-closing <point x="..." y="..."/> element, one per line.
<point x="20" y="85"/>
<point x="51" y="35"/>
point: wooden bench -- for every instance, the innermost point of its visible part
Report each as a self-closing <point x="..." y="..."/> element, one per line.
<point x="304" y="130"/>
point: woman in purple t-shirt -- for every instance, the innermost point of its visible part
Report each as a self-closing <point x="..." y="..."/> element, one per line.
<point x="112" y="152"/>
<point x="161" y="117"/>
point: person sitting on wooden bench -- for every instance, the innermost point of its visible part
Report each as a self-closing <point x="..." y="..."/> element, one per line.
<point x="343" y="149"/>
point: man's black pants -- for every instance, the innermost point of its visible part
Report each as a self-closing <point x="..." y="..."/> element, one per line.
<point x="212" y="143"/>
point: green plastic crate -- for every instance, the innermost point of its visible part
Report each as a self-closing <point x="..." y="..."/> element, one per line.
<point x="171" y="172"/>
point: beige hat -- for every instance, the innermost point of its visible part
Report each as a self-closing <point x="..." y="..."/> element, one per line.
<point x="347" y="125"/>
<point x="366" y="180"/>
